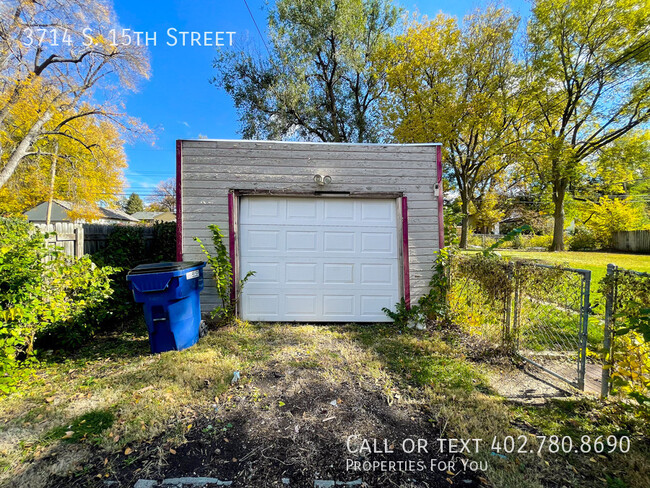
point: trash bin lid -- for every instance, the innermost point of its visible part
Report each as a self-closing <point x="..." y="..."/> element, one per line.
<point x="165" y="267"/>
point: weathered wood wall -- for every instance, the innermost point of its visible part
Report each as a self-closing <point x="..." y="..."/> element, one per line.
<point x="632" y="241"/>
<point x="210" y="169"/>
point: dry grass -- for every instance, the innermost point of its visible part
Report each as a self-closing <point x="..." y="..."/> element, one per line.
<point x="115" y="396"/>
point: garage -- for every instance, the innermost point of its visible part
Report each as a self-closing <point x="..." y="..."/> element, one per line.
<point x="334" y="232"/>
<point x="319" y="259"/>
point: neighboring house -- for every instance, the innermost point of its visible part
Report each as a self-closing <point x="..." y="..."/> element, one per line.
<point x="334" y="232"/>
<point x="150" y="217"/>
<point x="60" y="209"/>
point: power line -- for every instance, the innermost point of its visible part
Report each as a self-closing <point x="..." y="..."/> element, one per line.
<point x="258" y="29"/>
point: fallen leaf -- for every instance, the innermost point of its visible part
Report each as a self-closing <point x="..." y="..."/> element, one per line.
<point x="128" y="451"/>
<point x="189" y="426"/>
<point x="105" y="461"/>
<point x="49" y="399"/>
<point x="68" y="434"/>
<point x="281" y="404"/>
<point x="172" y="451"/>
<point x="234" y="460"/>
<point x="328" y="419"/>
<point x="116" y="438"/>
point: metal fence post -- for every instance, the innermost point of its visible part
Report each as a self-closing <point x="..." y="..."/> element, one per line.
<point x="582" y="362"/>
<point x="507" y="339"/>
<point x="607" y="335"/>
<point x="516" y="308"/>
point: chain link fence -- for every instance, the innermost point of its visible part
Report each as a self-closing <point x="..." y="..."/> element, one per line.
<point x="537" y="311"/>
<point x="627" y="330"/>
<point x="480" y="294"/>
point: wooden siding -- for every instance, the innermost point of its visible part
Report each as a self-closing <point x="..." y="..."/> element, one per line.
<point x="209" y="170"/>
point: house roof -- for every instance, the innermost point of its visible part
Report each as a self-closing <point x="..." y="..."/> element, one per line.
<point x="113" y="213"/>
<point x="165" y="215"/>
<point x="59" y="214"/>
<point x="145" y="215"/>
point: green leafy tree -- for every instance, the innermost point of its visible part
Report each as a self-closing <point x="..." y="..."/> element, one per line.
<point x="623" y="167"/>
<point x="454" y="84"/>
<point x="134" y="204"/>
<point x="589" y="80"/>
<point x="317" y="81"/>
<point x="609" y="216"/>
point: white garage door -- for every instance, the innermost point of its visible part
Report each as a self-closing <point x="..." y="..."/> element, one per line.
<point x="318" y="259"/>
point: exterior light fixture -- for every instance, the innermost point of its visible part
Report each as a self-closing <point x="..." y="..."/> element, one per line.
<point x="322" y="180"/>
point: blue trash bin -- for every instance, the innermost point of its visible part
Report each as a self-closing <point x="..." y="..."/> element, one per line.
<point x="169" y="293"/>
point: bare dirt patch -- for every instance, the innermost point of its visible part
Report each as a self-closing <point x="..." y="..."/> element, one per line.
<point x="292" y="420"/>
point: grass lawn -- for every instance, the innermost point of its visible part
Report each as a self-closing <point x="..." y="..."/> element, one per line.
<point x="113" y="412"/>
<point x="596" y="262"/>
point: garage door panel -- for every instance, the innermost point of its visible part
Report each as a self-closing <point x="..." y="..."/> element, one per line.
<point x="338" y="241"/>
<point x="378" y="212"/>
<point x="336" y="211"/>
<point x="299" y="209"/>
<point x="300" y="305"/>
<point x="319" y="259"/>
<point x="264" y="208"/>
<point x="302" y="273"/>
<point x="263" y="240"/>
<point x="338" y="305"/>
<point x="378" y="274"/>
<point x="264" y="272"/>
<point x="371" y="305"/>
<point x="338" y="273"/>
<point x="302" y="240"/>
<point x="378" y="242"/>
<point x="262" y="304"/>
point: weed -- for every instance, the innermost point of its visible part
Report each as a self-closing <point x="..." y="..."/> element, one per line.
<point x="87" y="427"/>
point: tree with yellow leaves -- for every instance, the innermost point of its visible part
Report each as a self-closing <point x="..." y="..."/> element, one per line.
<point x="455" y="85"/>
<point x="65" y="169"/>
<point x="589" y="85"/>
<point x="55" y="55"/>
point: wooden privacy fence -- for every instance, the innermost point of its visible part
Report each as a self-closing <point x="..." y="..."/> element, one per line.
<point x="634" y="241"/>
<point x="79" y="239"/>
<point x="96" y="236"/>
<point x="68" y="236"/>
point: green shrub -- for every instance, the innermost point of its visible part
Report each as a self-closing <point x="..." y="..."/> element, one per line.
<point x="163" y="246"/>
<point x="124" y="250"/>
<point x="539" y="241"/>
<point x="42" y="290"/>
<point x="583" y="239"/>
<point x="127" y="248"/>
<point x="222" y="270"/>
<point x="432" y="307"/>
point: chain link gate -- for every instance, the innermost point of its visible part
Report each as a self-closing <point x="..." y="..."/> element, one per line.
<point x="537" y="311"/>
<point x="551" y="319"/>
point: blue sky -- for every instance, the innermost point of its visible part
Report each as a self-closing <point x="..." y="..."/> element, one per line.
<point x="178" y="102"/>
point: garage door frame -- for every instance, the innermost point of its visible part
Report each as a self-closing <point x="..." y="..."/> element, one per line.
<point x="234" y="199"/>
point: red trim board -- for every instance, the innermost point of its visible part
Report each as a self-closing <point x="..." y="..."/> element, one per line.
<point x="441" y="217"/>
<point x="231" y="243"/>
<point x="179" y="199"/>
<point x="405" y="253"/>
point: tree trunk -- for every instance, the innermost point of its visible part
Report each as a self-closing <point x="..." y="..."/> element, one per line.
<point x="464" y="229"/>
<point x="559" y="192"/>
<point x="23" y="148"/>
<point x="52" y="179"/>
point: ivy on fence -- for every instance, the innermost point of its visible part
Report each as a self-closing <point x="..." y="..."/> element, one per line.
<point x="628" y="358"/>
